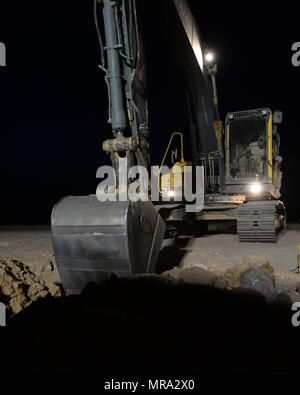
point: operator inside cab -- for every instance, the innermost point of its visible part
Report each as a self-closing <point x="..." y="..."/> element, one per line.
<point x="251" y="160"/>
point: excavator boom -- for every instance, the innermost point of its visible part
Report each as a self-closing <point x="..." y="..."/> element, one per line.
<point x="92" y="237"/>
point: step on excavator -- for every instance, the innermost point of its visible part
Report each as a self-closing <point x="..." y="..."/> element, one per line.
<point x="94" y="238"/>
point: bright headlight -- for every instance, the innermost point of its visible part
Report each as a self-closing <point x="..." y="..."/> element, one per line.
<point x="209" y="57"/>
<point x="255" y="188"/>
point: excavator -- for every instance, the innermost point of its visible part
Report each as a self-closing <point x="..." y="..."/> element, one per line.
<point x="94" y="238"/>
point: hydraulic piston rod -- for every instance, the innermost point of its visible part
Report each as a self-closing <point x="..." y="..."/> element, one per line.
<point x="114" y="75"/>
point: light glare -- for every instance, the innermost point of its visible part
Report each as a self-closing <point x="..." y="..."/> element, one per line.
<point x="209" y="57"/>
<point x="255" y="188"/>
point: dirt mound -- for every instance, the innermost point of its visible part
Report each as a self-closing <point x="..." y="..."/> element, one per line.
<point x="19" y="286"/>
<point x="254" y="273"/>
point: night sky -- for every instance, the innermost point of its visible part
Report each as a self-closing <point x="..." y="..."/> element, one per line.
<point x="54" y="100"/>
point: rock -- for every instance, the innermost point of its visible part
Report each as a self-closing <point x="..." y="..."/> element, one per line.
<point x="7" y="289"/>
<point x="253" y="273"/>
<point x="197" y="275"/>
<point x="53" y="289"/>
<point x="200" y="266"/>
<point x="192" y="275"/>
<point x="220" y="283"/>
<point x="19" y="287"/>
<point x="260" y="263"/>
<point x="174" y="273"/>
<point x="260" y="281"/>
<point x="18" y="303"/>
<point x="233" y="275"/>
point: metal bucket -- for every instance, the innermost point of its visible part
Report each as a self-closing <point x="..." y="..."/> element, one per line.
<point x="93" y="239"/>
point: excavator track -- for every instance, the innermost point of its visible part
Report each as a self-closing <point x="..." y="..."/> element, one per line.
<point x="260" y="221"/>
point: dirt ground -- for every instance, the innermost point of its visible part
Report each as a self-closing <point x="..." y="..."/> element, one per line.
<point x="219" y="251"/>
<point x="212" y="252"/>
<point x="220" y="306"/>
<point x="32" y="246"/>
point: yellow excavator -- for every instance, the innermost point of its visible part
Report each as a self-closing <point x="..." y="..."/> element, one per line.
<point x="240" y="162"/>
<point x="251" y="187"/>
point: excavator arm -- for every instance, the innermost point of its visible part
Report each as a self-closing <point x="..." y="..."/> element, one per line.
<point x="92" y="235"/>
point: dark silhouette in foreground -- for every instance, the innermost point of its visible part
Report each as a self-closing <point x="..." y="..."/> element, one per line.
<point x="153" y="328"/>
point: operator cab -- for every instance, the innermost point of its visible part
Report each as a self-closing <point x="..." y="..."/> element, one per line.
<point x="252" y="159"/>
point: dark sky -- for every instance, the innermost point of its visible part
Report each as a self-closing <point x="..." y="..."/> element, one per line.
<point x="54" y="101"/>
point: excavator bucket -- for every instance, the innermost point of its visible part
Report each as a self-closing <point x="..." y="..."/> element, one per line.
<point x="94" y="239"/>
